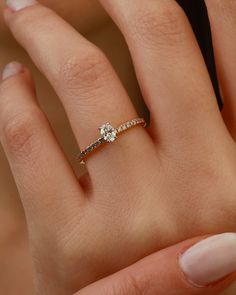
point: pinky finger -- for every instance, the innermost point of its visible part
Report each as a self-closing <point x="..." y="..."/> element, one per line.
<point x="44" y="178"/>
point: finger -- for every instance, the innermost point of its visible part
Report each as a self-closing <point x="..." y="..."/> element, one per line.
<point x="201" y="269"/>
<point x="83" y="78"/>
<point x="223" y="26"/>
<point x="169" y="65"/>
<point x="44" y="178"/>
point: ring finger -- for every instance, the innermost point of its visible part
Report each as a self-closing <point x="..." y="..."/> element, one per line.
<point x="170" y="69"/>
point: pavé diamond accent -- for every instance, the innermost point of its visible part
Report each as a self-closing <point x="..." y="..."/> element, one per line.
<point x="108" y="132"/>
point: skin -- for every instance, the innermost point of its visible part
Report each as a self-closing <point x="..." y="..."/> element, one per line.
<point x="210" y="196"/>
<point x="97" y="27"/>
<point x="95" y="24"/>
<point x="156" y="274"/>
<point x="13" y="246"/>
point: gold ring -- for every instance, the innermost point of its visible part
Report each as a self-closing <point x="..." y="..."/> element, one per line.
<point x="109" y="134"/>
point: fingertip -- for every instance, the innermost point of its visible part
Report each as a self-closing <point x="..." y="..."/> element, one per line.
<point x="7" y="13"/>
<point x="15" y="74"/>
<point x="210" y="261"/>
<point x="11" y="69"/>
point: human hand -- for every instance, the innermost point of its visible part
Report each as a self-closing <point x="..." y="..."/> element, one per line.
<point x="184" y="269"/>
<point x="146" y="190"/>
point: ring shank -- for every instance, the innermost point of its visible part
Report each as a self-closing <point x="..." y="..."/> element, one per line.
<point x="100" y="141"/>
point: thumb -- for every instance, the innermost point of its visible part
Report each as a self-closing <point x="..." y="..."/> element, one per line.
<point x="197" y="266"/>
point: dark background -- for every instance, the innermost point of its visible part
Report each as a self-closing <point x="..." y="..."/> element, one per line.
<point x="197" y="14"/>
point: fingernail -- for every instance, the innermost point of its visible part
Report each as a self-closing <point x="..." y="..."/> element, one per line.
<point x="210" y="260"/>
<point x="19" y="4"/>
<point x="11" y="69"/>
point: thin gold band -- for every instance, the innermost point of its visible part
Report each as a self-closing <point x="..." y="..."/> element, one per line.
<point x="108" y="135"/>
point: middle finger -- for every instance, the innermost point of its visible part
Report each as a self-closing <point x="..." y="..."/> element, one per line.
<point x="84" y="80"/>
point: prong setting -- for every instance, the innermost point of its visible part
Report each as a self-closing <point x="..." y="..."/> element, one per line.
<point x="109" y="134"/>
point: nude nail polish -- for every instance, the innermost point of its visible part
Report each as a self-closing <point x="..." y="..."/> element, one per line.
<point x="11" y="69"/>
<point x="20" y="4"/>
<point x="210" y="260"/>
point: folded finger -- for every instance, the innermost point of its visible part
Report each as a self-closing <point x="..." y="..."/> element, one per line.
<point x="43" y="175"/>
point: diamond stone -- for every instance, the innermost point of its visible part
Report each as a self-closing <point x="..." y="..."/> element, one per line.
<point x="108" y="132"/>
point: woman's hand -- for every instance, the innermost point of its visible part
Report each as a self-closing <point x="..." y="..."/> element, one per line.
<point x="147" y="190"/>
<point x="176" y="270"/>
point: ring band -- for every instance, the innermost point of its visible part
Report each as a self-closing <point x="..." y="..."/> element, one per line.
<point x="109" y="134"/>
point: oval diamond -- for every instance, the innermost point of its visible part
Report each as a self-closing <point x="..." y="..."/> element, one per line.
<point x="108" y="132"/>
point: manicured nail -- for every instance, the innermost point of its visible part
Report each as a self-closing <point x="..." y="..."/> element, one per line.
<point x="19" y="4"/>
<point x="11" y="69"/>
<point x="210" y="260"/>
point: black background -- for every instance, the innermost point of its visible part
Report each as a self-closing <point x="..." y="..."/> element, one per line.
<point x="197" y="14"/>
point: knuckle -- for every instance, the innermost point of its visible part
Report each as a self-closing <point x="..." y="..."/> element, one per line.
<point x="160" y="25"/>
<point x="85" y="72"/>
<point x="20" y="134"/>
